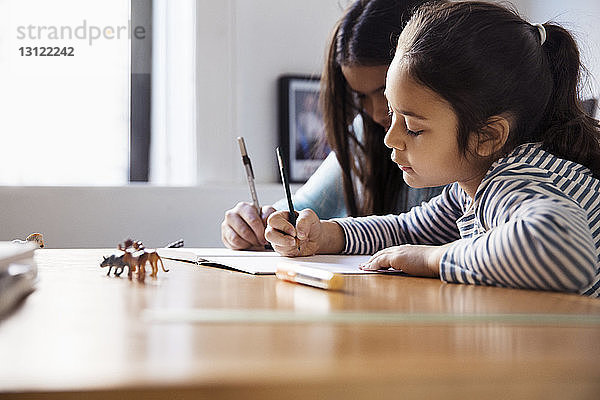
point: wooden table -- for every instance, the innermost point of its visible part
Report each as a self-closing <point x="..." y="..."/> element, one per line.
<point x="82" y="334"/>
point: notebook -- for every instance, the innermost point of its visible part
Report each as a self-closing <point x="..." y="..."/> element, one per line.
<point x="262" y="262"/>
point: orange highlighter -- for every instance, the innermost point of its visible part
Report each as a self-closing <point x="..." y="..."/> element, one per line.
<point x="305" y="275"/>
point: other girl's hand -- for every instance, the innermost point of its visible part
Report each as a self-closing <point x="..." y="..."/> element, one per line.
<point x="418" y="260"/>
<point x="243" y="228"/>
<point x="287" y="240"/>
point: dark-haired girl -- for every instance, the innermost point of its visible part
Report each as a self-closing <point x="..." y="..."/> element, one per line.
<point x="357" y="178"/>
<point x="486" y="102"/>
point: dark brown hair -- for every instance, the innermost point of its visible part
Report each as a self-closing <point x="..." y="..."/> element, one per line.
<point x="486" y="61"/>
<point x="365" y="36"/>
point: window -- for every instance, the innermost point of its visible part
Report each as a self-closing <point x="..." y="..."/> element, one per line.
<point x="141" y="90"/>
<point x="64" y="119"/>
<point x="173" y="145"/>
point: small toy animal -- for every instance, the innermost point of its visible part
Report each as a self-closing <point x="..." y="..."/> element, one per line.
<point x="135" y="256"/>
<point x="152" y="257"/>
<point x="132" y="260"/>
<point x="114" y="261"/>
<point x="34" y="237"/>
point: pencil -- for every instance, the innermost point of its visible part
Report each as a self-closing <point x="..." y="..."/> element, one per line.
<point x="249" y="173"/>
<point x="250" y="178"/>
<point x="286" y="186"/>
<point x="288" y="194"/>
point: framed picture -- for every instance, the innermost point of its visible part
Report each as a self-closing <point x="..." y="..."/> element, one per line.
<point x="301" y="129"/>
<point x="589" y="106"/>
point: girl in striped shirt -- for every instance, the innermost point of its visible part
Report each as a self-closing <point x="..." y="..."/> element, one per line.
<point x="486" y="103"/>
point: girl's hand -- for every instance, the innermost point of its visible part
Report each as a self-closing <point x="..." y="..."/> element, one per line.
<point x="301" y="240"/>
<point x="416" y="260"/>
<point x="243" y="228"/>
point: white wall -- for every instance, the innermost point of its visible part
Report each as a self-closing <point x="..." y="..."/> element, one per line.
<point x="582" y="18"/>
<point x="97" y="217"/>
<point x="244" y="45"/>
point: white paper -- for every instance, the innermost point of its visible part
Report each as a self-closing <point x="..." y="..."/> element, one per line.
<point x="264" y="262"/>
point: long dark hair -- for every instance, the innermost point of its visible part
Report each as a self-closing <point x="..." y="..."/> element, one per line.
<point x="365" y="36"/>
<point x="486" y="61"/>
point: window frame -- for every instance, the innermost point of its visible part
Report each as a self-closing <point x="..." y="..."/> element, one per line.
<point x="140" y="92"/>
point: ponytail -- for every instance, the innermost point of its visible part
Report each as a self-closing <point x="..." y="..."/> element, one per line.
<point x="568" y="132"/>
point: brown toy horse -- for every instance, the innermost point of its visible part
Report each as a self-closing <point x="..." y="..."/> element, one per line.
<point x="137" y="256"/>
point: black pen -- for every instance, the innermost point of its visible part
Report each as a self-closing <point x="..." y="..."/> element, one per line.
<point x="288" y="194"/>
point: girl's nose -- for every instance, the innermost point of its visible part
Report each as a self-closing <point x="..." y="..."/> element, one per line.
<point x="394" y="139"/>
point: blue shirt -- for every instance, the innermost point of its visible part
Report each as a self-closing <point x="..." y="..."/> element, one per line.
<point x="534" y="223"/>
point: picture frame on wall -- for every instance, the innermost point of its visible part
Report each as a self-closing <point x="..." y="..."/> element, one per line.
<point x="589" y="106"/>
<point x="301" y="128"/>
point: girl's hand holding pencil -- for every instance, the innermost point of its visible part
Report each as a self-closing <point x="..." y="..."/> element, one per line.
<point x="243" y="228"/>
<point x="244" y="225"/>
<point x="301" y="234"/>
<point x="301" y="240"/>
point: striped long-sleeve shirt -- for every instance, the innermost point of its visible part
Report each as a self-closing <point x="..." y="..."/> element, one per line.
<point x="534" y="223"/>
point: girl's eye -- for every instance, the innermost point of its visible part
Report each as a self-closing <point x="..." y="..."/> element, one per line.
<point x="413" y="133"/>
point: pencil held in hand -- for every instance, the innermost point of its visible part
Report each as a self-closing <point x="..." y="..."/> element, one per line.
<point x="286" y="187"/>
<point x="288" y="194"/>
<point x="249" y="173"/>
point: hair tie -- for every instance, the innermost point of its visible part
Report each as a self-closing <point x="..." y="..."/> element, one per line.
<point x="542" y="32"/>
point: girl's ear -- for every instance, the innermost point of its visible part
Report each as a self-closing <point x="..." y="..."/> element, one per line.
<point x="492" y="137"/>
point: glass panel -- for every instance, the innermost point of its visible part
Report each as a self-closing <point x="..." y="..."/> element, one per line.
<point x="64" y="119"/>
<point x="173" y="144"/>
